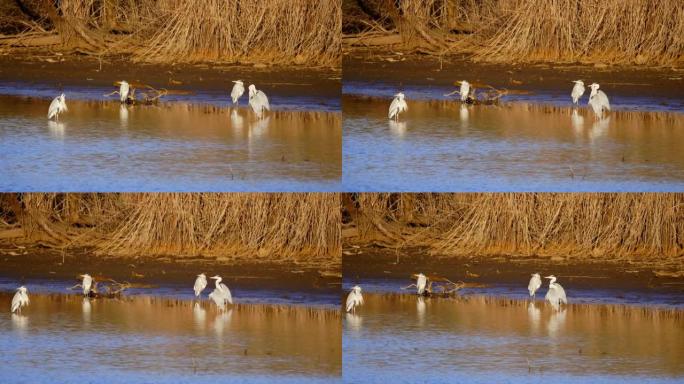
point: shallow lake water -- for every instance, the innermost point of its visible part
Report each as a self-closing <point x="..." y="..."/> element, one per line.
<point x="444" y="146"/>
<point x="487" y="340"/>
<point x="102" y="146"/>
<point x="66" y="338"/>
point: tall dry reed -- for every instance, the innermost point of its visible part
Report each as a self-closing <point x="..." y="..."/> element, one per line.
<point x="242" y="226"/>
<point x="602" y="226"/>
<point x="270" y="31"/>
<point x="615" y="31"/>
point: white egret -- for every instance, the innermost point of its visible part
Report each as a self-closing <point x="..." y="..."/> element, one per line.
<point x="124" y="88"/>
<point x="354" y="299"/>
<point x="238" y="91"/>
<point x="20" y="299"/>
<point x="200" y="284"/>
<point x="258" y="101"/>
<point x="87" y="284"/>
<point x="535" y="283"/>
<point x="398" y="105"/>
<point x="556" y="293"/>
<point x="421" y="283"/>
<point x="57" y="106"/>
<point x="577" y="91"/>
<point x="221" y="295"/>
<point x="598" y="101"/>
<point x="464" y="91"/>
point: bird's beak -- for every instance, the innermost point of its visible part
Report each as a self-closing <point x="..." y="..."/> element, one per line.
<point x="547" y="277"/>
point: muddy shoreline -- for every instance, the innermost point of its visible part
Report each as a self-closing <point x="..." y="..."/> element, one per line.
<point x="372" y="262"/>
<point x="320" y="86"/>
<point x="35" y="263"/>
<point x="661" y="86"/>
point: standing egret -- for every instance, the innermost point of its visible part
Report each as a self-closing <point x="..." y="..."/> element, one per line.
<point x="577" y="91"/>
<point x="598" y="101"/>
<point x="20" y="299"/>
<point x="124" y="88"/>
<point x="258" y="101"/>
<point x="421" y="283"/>
<point x="354" y="299"/>
<point x="238" y="91"/>
<point x="398" y="105"/>
<point x="222" y="289"/>
<point x="57" y="106"/>
<point x="556" y="293"/>
<point x="87" y="283"/>
<point x="200" y="284"/>
<point x="465" y="91"/>
<point x="535" y="283"/>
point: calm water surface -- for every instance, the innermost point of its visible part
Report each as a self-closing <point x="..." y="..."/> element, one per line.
<point x="406" y="339"/>
<point x="102" y="146"/>
<point x="439" y="146"/>
<point x="65" y="338"/>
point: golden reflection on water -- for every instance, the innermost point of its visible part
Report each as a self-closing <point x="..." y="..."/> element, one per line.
<point x="472" y="330"/>
<point x="263" y="339"/>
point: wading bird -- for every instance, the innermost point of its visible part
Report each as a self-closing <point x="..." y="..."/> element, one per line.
<point x="398" y="105"/>
<point x="421" y="283"/>
<point x="598" y="101"/>
<point x="556" y="293"/>
<point x="577" y="91"/>
<point x="20" y="299"/>
<point x="465" y="90"/>
<point x="87" y="283"/>
<point x="221" y="294"/>
<point x="57" y="106"/>
<point x="354" y="299"/>
<point x="124" y="88"/>
<point x="238" y="91"/>
<point x="200" y="284"/>
<point x="535" y="283"/>
<point x="258" y="101"/>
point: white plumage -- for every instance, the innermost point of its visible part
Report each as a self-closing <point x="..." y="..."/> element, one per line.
<point x="598" y="101"/>
<point x="556" y="293"/>
<point x="421" y="283"/>
<point x="577" y="91"/>
<point x="238" y="91"/>
<point x="258" y="101"/>
<point x="535" y="284"/>
<point x="87" y="284"/>
<point x="124" y="88"/>
<point x="221" y="294"/>
<point x="20" y="299"/>
<point x="464" y="91"/>
<point x="57" y="106"/>
<point x="200" y="284"/>
<point x="397" y="106"/>
<point x="354" y="299"/>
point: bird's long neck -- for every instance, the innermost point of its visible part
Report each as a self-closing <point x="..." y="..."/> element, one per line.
<point x="552" y="282"/>
<point x="218" y="281"/>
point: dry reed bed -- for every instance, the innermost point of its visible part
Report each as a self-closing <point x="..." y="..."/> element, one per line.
<point x="613" y="31"/>
<point x="287" y="227"/>
<point x="646" y="227"/>
<point x="272" y="31"/>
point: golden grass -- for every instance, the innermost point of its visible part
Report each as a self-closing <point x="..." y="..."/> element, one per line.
<point x="285" y="227"/>
<point x="600" y="226"/>
<point x="642" y="32"/>
<point x="273" y="31"/>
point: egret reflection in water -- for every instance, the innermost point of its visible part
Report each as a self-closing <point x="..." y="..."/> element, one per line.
<point x="56" y="129"/>
<point x="398" y="128"/>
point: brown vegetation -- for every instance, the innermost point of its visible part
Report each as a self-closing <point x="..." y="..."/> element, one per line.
<point x="610" y="31"/>
<point x="606" y="227"/>
<point x="242" y="226"/>
<point x="275" y="31"/>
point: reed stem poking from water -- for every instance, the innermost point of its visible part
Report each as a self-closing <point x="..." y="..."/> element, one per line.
<point x="588" y="226"/>
<point x="273" y="227"/>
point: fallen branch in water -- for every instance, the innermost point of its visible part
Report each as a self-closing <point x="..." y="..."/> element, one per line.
<point x="109" y="289"/>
